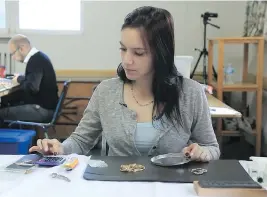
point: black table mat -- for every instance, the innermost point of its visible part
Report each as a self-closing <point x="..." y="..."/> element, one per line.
<point x="217" y="170"/>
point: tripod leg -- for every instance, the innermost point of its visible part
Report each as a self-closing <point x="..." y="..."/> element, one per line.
<point x="193" y="72"/>
<point x="205" y="77"/>
<point x="215" y="74"/>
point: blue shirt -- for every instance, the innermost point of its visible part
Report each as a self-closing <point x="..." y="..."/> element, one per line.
<point x="145" y="137"/>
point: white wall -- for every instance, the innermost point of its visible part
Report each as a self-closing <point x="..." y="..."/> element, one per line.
<point x="98" y="46"/>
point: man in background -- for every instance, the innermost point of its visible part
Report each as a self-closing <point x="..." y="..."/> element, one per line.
<point x="37" y="97"/>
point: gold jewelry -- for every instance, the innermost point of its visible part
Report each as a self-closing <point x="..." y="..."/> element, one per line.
<point x="142" y="105"/>
<point x="132" y="167"/>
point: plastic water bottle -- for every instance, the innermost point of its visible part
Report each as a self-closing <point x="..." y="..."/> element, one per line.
<point x="228" y="74"/>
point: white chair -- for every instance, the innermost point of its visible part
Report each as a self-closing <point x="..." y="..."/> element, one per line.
<point x="183" y="65"/>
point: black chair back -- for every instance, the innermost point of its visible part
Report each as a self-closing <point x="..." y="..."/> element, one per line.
<point x="60" y="102"/>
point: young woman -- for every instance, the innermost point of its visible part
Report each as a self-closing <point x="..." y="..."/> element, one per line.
<point x="150" y="109"/>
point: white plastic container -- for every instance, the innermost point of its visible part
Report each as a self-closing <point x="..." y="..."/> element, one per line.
<point x="183" y="65"/>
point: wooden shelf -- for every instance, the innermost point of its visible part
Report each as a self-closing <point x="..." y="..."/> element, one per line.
<point x="238" y="40"/>
<point x="235" y="133"/>
<point x="231" y="133"/>
<point x="242" y="86"/>
<point x="245" y="86"/>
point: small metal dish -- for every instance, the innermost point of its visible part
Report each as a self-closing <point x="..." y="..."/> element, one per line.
<point x="170" y="159"/>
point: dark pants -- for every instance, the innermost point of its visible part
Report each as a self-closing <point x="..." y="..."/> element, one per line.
<point x="29" y="112"/>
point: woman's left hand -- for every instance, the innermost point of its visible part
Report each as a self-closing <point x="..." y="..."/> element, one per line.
<point x="197" y="153"/>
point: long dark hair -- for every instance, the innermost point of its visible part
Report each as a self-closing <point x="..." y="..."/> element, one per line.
<point x="157" y="25"/>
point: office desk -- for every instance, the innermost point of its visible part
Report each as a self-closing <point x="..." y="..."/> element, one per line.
<point x="7" y="89"/>
<point x="39" y="183"/>
<point x="216" y="103"/>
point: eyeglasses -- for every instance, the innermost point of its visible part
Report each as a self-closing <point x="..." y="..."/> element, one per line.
<point x="13" y="53"/>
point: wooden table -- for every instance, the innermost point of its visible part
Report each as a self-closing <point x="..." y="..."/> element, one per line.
<point x="35" y="183"/>
<point x="214" y="102"/>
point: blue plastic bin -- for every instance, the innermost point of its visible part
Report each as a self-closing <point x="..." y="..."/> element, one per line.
<point x="15" y="141"/>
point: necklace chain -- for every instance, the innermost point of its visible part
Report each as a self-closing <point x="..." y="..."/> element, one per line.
<point x="142" y="105"/>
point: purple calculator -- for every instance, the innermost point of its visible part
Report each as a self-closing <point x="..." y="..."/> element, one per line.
<point x="51" y="161"/>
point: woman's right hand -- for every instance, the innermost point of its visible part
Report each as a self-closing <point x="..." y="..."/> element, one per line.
<point x="48" y="147"/>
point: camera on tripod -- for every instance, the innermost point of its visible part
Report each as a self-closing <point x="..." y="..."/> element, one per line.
<point x="209" y="15"/>
<point x="204" y="52"/>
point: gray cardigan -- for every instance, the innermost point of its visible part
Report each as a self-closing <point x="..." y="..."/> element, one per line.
<point x="106" y="116"/>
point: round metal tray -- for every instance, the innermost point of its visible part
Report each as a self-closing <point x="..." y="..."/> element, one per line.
<point x="170" y="159"/>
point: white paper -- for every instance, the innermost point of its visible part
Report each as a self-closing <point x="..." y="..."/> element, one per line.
<point x="9" y="179"/>
<point x="262" y="160"/>
<point x="249" y="164"/>
<point x="223" y="111"/>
